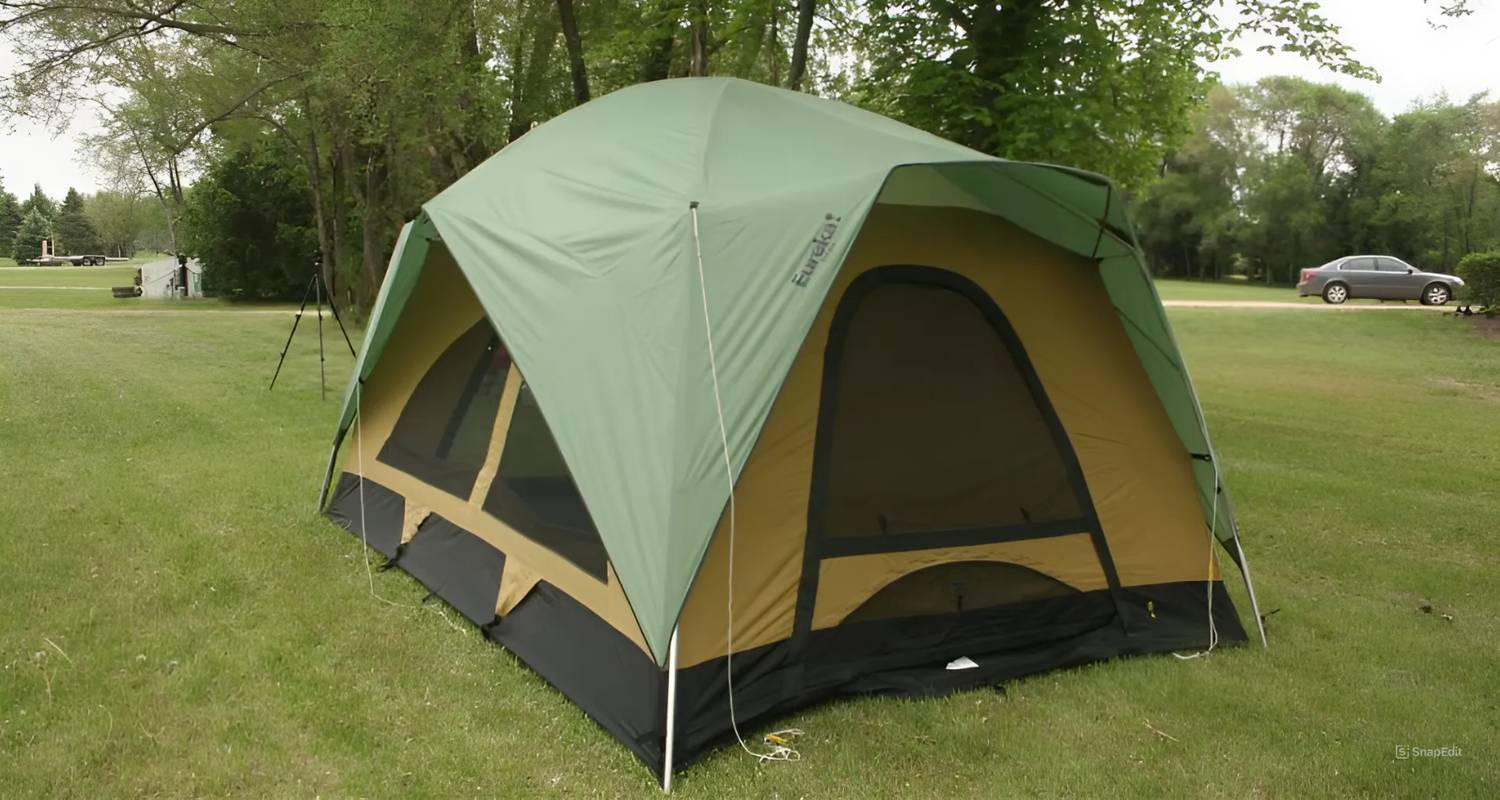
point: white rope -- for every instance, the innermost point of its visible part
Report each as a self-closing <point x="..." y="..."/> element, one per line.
<point x="780" y="741"/>
<point x="1213" y="631"/>
<point x="359" y="448"/>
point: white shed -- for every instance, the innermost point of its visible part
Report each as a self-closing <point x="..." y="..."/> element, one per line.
<point x="163" y="278"/>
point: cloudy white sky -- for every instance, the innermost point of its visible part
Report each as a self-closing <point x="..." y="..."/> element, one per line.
<point x="1415" y="62"/>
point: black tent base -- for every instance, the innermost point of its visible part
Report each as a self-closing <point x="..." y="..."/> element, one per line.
<point x="623" y="690"/>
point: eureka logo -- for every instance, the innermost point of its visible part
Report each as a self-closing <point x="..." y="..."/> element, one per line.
<point x="822" y="242"/>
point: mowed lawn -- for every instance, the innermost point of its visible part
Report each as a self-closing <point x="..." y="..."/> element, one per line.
<point x="88" y="288"/>
<point x="181" y="623"/>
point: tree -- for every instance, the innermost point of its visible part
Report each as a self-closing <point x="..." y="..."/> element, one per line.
<point x="1106" y="85"/>
<point x="1430" y="195"/>
<point x="120" y="221"/>
<point x="381" y="103"/>
<point x="28" y="242"/>
<point x="248" y="223"/>
<point x="39" y="202"/>
<point x="805" y="11"/>
<point x="576" y="66"/>
<point x="10" y="220"/>
<point x="75" y="232"/>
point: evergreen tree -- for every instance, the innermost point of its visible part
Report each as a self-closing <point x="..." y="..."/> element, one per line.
<point x="39" y="202"/>
<point x="76" y="233"/>
<point x="28" y="241"/>
<point x="10" y="220"/>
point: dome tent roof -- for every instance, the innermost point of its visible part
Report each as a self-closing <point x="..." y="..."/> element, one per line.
<point x="582" y="244"/>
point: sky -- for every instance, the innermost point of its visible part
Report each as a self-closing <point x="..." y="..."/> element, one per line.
<point x="1393" y="36"/>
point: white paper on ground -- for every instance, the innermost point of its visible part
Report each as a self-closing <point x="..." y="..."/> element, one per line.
<point x="962" y="662"/>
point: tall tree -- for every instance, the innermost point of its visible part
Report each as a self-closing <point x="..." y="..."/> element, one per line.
<point x="663" y="19"/>
<point x="120" y="220"/>
<point x="805" y="12"/>
<point x="75" y="232"/>
<point x="576" y="68"/>
<point x="28" y="241"/>
<point x="10" y="220"/>
<point x="39" y="202"/>
<point x="1105" y="85"/>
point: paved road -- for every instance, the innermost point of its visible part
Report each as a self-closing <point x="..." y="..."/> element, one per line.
<point x="1277" y="306"/>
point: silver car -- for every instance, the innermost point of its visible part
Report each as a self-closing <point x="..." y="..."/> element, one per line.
<point x="1378" y="277"/>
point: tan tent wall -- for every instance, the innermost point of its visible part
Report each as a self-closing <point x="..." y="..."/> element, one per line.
<point x="1136" y="469"/>
<point x="442" y="307"/>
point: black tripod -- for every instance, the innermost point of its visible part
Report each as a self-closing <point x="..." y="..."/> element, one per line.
<point x="315" y="289"/>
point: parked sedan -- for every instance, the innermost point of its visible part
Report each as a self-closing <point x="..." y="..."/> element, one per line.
<point x="1378" y="277"/>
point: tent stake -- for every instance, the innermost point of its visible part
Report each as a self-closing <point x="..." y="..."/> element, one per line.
<point x="1250" y="589"/>
<point x="666" y="770"/>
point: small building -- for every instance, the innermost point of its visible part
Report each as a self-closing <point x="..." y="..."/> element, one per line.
<point x="167" y="278"/>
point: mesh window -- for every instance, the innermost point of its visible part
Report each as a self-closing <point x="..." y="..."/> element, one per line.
<point x="958" y="587"/>
<point x="934" y="427"/>
<point x="444" y="430"/>
<point x="534" y="491"/>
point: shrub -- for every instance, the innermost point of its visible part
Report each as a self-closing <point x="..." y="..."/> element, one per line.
<point x="1481" y="274"/>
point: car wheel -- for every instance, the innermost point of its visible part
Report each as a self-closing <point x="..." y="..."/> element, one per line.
<point x="1436" y="294"/>
<point x="1335" y="293"/>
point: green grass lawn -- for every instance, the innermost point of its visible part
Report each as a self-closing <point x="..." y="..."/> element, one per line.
<point x="181" y="622"/>
<point x="73" y="288"/>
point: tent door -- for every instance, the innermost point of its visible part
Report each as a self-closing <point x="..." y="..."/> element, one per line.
<point x="938" y="462"/>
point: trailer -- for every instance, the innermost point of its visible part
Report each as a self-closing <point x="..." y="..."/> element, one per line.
<point x="51" y="259"/>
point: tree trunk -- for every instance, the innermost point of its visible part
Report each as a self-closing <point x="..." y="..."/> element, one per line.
<point x="373" y="230"/>
<point x="999" y="37"/>
<point x="528" y="80"/>
<point x="474" y="145"/>
<point x="698" y="66"/>
<point x="327" y="257"/>
<point x="805" y="9"/>
<point x="575" y="51"/>
<point x="775" y="48"/>
<point x="665" y="15"/>
<point x="758" y="24"/>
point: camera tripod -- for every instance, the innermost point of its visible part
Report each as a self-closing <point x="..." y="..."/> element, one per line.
<point x="315" y="289"/>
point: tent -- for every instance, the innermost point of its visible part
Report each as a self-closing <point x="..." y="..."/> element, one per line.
<point x="940" y="384"/>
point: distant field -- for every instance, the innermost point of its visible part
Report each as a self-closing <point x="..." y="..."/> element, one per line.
<point x="95" y="277"/>
<point x="88" y="288"/>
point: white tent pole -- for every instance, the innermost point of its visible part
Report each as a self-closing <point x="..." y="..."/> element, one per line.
<point x="1250" y="588"/>
<point x="666" y="770"/>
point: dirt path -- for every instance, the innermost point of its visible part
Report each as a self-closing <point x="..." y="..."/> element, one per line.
<point x="1263" y="305"/>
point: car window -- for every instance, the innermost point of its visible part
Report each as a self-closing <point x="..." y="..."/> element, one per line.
<point x="1359" y="263"/>
<point x="1390" y="265"/>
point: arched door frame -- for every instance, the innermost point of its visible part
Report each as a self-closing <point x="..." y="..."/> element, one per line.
<point x="819" y="546"/>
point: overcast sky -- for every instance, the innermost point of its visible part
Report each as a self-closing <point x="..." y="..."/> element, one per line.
<point x="1393" y="36"/>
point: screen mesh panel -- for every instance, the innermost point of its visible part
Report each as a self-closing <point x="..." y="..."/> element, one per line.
<point x="534" y="491"/>
<point x="934" y="426"/>
<point x="444" y="430"/>
<point x="958" y="587"/>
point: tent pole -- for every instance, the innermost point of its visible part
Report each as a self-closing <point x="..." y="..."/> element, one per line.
<point x="1250" y="588"/>
<point x="333" y="456"/>
<point x="666" y="770"/>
